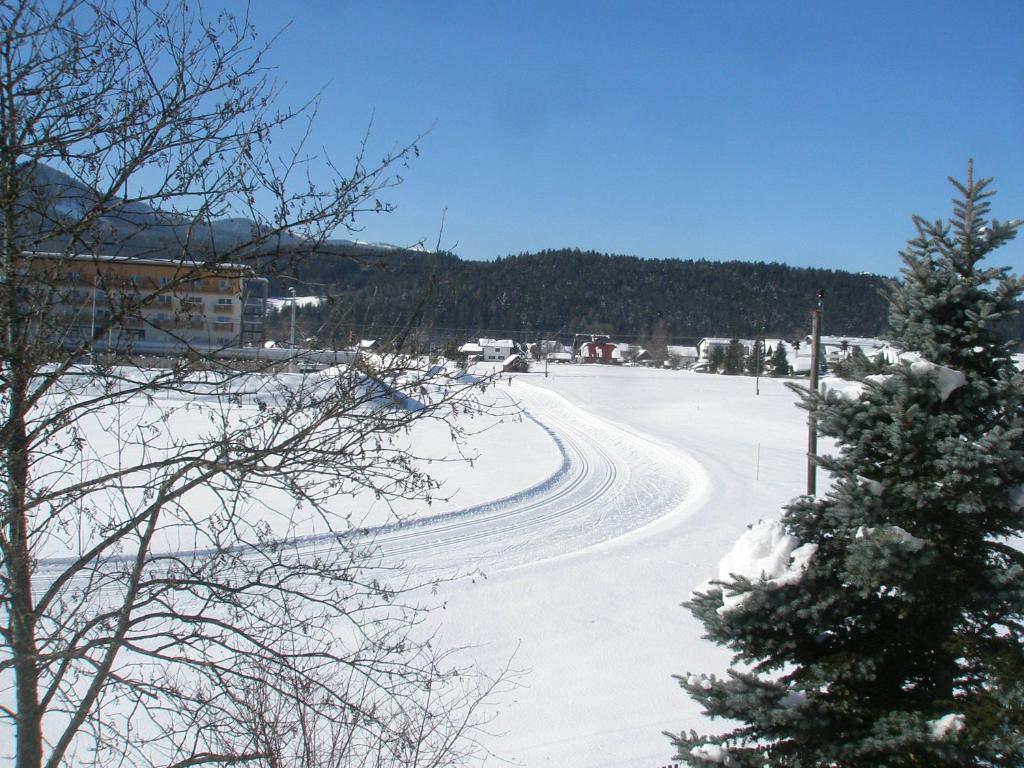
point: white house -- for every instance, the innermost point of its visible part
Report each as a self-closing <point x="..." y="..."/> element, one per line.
<point x="836" y="348"/>
<point x="705" y="345"/>
<point x="548" y="347"/>
<point x="496" y="350"/>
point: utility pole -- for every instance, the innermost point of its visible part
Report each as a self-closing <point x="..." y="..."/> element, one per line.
<point x="291" y="335"/>
<point x="758" y="360"/>
<point x="812" y="422"/>
<point x="92" y="321"/>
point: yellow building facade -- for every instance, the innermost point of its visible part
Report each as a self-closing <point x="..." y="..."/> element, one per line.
<point x="151" y="306"/>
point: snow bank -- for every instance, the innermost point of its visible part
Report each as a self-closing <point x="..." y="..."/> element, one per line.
<point x="947" y="726"/>
<point x="764" y="553"/>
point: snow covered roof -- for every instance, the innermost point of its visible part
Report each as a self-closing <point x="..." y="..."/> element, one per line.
<point x="724" y="341"/>
<point x="798" y="363"/>
<point x="471" y="348"/>
<point x="865" y="343"/>
<point x="300" y="301"/>
<point x="631" y="349"/>
<point x="497" y="343"/>
<point x="681" y="351"/>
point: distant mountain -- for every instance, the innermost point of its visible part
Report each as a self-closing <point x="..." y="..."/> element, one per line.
<point x="55" y="202"/>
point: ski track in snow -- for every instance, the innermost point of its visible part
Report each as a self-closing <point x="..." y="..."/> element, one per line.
<point x="609" y="482"/>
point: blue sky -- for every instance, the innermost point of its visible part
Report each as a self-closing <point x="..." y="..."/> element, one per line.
<point x="806" y="133"/>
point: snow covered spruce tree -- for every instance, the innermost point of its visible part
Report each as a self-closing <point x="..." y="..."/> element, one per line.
<point x="181" y="581"/>
<point x="881" y="625"/>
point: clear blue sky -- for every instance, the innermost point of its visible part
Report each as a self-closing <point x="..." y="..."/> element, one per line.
<point x="805" y="133"/>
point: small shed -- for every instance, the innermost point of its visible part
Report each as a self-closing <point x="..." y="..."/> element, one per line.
<point x="471" y="350"/>
<point x="515" y="364"/>
<point x="680" y="356"/>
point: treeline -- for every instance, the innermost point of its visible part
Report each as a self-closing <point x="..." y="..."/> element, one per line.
<point x="556" y="293"/>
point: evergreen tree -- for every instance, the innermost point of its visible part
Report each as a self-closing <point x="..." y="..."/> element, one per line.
<point x="734" y="357"/>
<point x="780" y="363"/>
<point x="755" y="360"/>
<point x="886" y="626"/>
<point x="857" y="365"/>
<point x="716" y="359"/>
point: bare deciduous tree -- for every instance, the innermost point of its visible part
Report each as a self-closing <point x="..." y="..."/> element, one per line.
<point x="179" y="583"/>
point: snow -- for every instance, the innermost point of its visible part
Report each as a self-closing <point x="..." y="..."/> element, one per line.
<point x="793" y="699"/>
<point x="892" y="534"/>
<point x="713" y="753"/>
<point x="765" y="554"/>
<point x="1017" y="498"/>
<point x="282" y="303"/>
<point x="874" y="487"/>
<point x="947" y="380"/>
<point x="599" y="630"/>
<point x="591" y="519"/>
<point x="702" y="681"/>
<point x="947" y="726"/>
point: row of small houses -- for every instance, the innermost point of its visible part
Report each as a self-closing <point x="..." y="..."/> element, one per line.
<point x="602" y="350"/>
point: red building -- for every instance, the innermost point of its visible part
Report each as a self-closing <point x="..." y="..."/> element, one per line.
<point x="599" y="352"/>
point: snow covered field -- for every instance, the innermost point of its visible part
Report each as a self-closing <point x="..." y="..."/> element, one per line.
<point x="593" y="618"/>
<point x="598" y="498"/>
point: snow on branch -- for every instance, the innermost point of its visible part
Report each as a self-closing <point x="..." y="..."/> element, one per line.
<point x="765" y="553"/>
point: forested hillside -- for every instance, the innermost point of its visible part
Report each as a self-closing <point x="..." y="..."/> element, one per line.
<point x="556" y="293"/>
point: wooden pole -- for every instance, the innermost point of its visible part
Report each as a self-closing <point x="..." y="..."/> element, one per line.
<point x="812" y="422"/>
